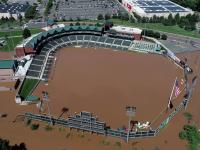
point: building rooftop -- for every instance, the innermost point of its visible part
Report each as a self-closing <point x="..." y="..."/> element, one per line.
<point x="6" y="64"/>
<point x="13" y="8"/>
<point x="127" y="30"/>
<point x="158" y="6"/>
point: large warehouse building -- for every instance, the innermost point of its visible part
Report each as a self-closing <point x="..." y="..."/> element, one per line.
<point x="149" y="8"/>
<point x="14" y="10"/>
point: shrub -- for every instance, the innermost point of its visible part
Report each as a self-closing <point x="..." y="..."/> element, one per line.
<point x="82" y="135"/>
<point x="77" y="24"/>
<point x="48" y="128"/>
<point x="164" y="37"/>
<point x="104" y="142"/>
<point x="156" y="35"/>
<point x="68" y="135"/>
<point x="100" y="17"/>
<point x="187" y="116"/>
<point x="28" y="122"/>
<point x="61" y="129"/>
<point x="118" y="144"/>
<point x="34" y="126"/>
<point x="26" y="33"/>
<point x="182" y="135"/>
<point x="192" y="135"/>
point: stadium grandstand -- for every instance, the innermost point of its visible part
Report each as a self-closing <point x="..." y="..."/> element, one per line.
<point x="149" y="8"/>
<point x="44" y="45"/>
<point x="86" y="9"/>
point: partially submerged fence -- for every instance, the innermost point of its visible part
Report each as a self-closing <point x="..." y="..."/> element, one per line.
<point x="86" y="122"/>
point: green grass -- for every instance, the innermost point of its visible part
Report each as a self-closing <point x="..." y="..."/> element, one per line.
<point x="11" y="24"/>
<point x="11" y="44"/>
<point x="27" y="87"/>
<point x="159" y="27"/>
<point x="18" y="32"/>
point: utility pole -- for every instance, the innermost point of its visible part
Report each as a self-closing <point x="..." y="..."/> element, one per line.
<point x="130" y="112"/>
<point x="46" y="98"/>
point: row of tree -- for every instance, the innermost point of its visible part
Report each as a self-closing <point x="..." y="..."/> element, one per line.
<point x="119" y="15"/>
<point x="5" y="145"/>
<point x="83" y="24"/>
<point x="6" y="19"/>
<point x="48" y="7"/>
<point x="106" y="17"/>
<point x="154" y="34"/>
<point x="187" y="22"/>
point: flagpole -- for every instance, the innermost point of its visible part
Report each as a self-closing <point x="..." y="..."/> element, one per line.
<point x="172" y="90"/>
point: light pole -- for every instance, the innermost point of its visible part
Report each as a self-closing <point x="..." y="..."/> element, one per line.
<point x="46" y="98"/>
<point x="130" y="112"/>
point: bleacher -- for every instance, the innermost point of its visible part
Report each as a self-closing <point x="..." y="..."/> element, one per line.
<point x="86" y="122"/>
<point x="146" y="47"/>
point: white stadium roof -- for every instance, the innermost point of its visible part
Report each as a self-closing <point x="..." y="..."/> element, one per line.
<point x="127" y="30"/>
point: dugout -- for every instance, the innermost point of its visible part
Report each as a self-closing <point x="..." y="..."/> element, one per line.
<point x="7" y="68"/>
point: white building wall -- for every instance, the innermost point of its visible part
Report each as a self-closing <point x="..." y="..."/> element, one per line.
<point x="4" y="15"/>
<point x="8" y="15"/>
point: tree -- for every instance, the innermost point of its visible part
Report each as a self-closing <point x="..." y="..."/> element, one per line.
<point x="125" y="16"/>
<point x="187" y="116"/>
<point x="48" y="7"/>
<point x="114" y="16"/>
<point x="100" y="17"/>
<point x="78" y="19"/>
<point x="171" y="20"/>
<point x="98" y="24"/>
<point x="164" y="37"/>
<point x="4" y="145"/>
<point x="156" y="35"/>
<point x="19" y="17"/>
<point x="11" y="18"/>
<point x="154" y="19"/>
<point x="132" y="19"/>
<point x="192" y="135"/>
<point x="70" y="19"/>
<point x="26" y="33"/>
<point x="34" y="126"/>
<point x="107" y="16"/>
<point x="77" y="24"/>
<point x="177" y="18"/>
<point x="31" y="12"/>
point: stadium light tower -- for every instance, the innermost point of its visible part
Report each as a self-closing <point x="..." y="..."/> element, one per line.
<point x="46" y="98"/>
<point x="130" y="112"/>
